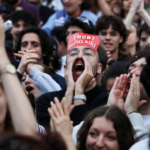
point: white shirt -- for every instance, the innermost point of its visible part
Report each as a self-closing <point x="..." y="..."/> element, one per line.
<point x="55" y="4"/>
<point x="62" y="71"/>
<point x="141" y="145"/>
<point x="146" y="119"/>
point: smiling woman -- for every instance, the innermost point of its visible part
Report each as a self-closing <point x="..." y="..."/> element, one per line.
<point x="106" y="127"/>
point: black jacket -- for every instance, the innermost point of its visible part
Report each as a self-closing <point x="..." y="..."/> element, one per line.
<point x="96" y="97"/>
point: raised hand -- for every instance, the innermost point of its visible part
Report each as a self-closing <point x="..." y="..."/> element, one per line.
<point x="69" y="82"/>
<point x="132" y="101"/>
<point x="136" y="4"/>
<point x="26" y="57"/>
<point x="85" y="78"/>
<point x="117" y="92"/>
<point x="59" y="113"/>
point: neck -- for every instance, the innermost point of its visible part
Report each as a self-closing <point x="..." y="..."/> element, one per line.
<point x="144" y="109"/>
<point x="115" y="55"/>
<point x="2" y="128"/>
<point x="132" y="50"/>
<point x="19" y="1"/>
<point x="75" y="14"/>
<point x="90" y="87"/>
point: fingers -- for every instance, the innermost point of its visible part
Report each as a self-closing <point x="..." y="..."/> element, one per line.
<point x="71" y="108"/>
<point x="58" y="106"/>
<point x="115" y="86"/>
<point x="55" y="110"/>
<point x="88" y="67"/>
<point x="65" y="107"/>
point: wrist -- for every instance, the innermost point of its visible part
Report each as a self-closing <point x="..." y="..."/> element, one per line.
<point x="79" y="91"/>
<point x="129" y="111"/>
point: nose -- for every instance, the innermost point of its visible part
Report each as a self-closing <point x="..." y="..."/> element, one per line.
<point x="27" y="80"/>
<point x="108" y="36"/>
<point x="29" y="46"/>
<point x="21" y="28"/>
<point x="135" y="71"/>
<point x="100" y="142"/>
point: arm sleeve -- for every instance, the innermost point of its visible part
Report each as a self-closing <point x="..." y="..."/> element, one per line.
<point x="141" y="132"/>
<point x="50" y="24"/>
<point x="43" y="81"/>
<point x="19" y="76"/>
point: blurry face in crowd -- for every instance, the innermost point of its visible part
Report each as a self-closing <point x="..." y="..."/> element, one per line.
<point x="29" y="86"/>
<point x="18" y="27"/>
<point x="102" y="135"/>
<point x="72" y="7"/>
<point x="132" y="38"/>
<point x="31" y="41"/>
<point x="110" y="39"/>
<point x="3" y="106"/>
<point x="143" y="39"/>
<point x="78" y="66"/>
<point x="71" y="30"/>
<point x="109" y="84"/>
<point x="127" y="4"/>
<point x="136" y="69"/>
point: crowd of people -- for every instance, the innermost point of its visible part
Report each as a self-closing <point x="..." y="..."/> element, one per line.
<point x="75" y="75"/>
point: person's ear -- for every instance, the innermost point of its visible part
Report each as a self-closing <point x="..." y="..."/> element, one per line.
<point x="121" y="39"/>
<point x="63" y="44"/>
<point x="99" y="68"/>
<point x="80" y="2"/>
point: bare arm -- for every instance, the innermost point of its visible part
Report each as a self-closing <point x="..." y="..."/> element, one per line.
<point x="20" y="109"/>
<point x="129" y="19"/>
<point x="104" y="7"/>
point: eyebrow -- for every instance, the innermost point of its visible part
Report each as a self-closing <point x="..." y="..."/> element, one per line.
<point x="133" y="65"/>
<point x="86" y="48"/>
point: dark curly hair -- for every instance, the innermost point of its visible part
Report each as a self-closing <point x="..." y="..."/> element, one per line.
<point x="121" y="123"/>
<point x="47" y="48"/>
<point x="89" y="29"/>
<point x="86" y="5"/>
<point x="25" y="16"/>
<point x="105" y="22"/>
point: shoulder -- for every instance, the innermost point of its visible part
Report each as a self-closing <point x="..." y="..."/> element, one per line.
<point x="91" y="14"/>
<point x="46" y="98"/>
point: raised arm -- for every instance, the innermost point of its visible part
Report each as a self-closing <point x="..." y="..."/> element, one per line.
<point x="20" y="109"/>
<point x="104" y="7"/>
<point x="144" y="15"/>
<point x="134" y="7"/>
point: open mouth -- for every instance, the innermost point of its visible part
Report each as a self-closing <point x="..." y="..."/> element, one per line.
<point x="29" y="89"/>
<point x="78" y="67"/>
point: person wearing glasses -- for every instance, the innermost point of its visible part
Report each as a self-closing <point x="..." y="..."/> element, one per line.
<point x="83" y="65"/>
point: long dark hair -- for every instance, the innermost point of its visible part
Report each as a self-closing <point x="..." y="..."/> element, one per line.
<point x="121" y="123"/>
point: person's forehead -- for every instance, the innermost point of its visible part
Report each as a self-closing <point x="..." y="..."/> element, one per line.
<point x="139" y="62"/>
<point x="81" y="48"/>
<point x="109" y="29"/>
<point x="20" y="22"/>
<point x="74" y="28"/>
<point x="144" y="34"/>
<point x="30" y="37"/>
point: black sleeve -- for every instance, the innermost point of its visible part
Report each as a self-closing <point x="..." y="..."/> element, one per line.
<point x="42" y="115"/>
<point x="19" y="76"/>
<point x="78" y="113"/>
<point x="43" y="103"/>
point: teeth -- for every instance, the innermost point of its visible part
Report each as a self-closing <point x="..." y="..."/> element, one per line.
<point x="79" y="64"/>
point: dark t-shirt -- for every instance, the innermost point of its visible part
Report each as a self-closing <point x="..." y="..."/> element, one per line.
<point x="24" y="5"/>
<point x="96" y="97"/>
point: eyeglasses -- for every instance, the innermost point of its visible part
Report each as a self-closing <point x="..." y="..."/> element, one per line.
<point x="88" y="53"/>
